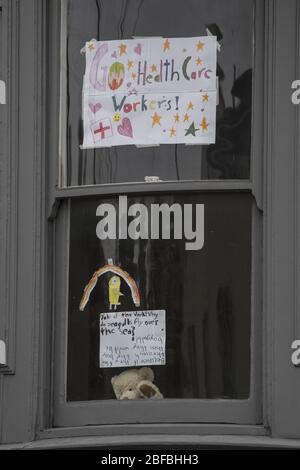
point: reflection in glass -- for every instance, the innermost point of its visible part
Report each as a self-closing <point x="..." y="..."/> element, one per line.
<point x="231" y="22"/>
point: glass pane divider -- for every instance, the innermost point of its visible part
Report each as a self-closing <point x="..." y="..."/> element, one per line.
<point x="185" y="186"/>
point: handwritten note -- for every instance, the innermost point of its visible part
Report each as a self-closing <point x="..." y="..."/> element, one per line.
<point x="135" y="338"/>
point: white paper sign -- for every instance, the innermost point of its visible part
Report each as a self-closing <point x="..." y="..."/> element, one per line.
<point x="2" y="353"/>
<point x="135" y="338"/>
<point x="150" y="91"/>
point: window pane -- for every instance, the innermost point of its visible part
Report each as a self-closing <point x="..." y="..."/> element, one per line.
<point x="229" y="158"/>
<point x="205" y="294"/>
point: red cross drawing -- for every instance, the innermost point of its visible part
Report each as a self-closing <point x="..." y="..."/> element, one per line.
<point x="101" y="130"/>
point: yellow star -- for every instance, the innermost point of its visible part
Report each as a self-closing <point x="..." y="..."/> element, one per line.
<point x="133" y="76"/>
<point x="199" y="61"/>
<point x="176" y="117"/>
<point x="153" y="68"/>
<point x="204" y="124"/>
<point x="172" y="132"/>
<point x="200" y="46"/>
<point x="156" y="119"/>
<point x="90" y="45"/>
<point x="205" y="97"/>
<point x="186" y="118"/>
<point x="129" y="64"/>
<point x="122" y="48"/>
<point x="190" y="105"/>
<point x="166" y="45"/>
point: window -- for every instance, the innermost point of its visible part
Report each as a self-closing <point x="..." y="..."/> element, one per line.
<point x="205" y="293"/>
<point x="211" y="296"/>
<point x="229" y="158"/>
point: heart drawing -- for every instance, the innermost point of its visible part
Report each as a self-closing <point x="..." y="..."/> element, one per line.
<point x="114" y="55"/>
<point x="125" y="128"/>
<point x="138" y="49"/>
<point x="95" y="107"/>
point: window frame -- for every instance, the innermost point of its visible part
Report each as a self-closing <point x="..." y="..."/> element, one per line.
<point x="254" y="182"/>
<point x="152" y="412"/>
<point x="112" y="412"/>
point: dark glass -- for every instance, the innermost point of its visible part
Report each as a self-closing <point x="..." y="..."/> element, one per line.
<point x="206" y="295"/>
<point x="232" y="22"/>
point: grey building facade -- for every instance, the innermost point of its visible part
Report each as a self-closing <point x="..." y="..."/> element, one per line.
<point x="52" y="396"/>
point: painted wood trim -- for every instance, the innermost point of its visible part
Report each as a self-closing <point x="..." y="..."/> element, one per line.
<point x="145" y="188"/>
<point x="25" y="234"/>
<point x="167" y="441"/>
<point x="9" y="191"/>
<point x="154" y="429"/>
<point x="281" y="220"/>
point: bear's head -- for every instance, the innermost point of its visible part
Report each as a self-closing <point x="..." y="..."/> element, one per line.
<point x="135" y="384"/>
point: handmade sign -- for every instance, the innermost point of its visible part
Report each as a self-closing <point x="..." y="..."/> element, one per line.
<point x="114" y="286"/>
<point x="132" y="338"/>
<point x="150" y="91"/>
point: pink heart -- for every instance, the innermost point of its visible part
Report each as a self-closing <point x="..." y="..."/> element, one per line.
<point x="138" y="49"/>
<point x="95" y="107"/>
<point x="125" y="128"/>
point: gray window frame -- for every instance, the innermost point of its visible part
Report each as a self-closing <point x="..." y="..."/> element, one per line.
<point x="28" y="208"/>
<point x="168" y="411"/>
<point x="162" y="411"/>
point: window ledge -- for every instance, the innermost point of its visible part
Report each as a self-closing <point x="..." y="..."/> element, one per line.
<point x="158" y="442"/>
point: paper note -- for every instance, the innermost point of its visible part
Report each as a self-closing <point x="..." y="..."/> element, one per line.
<point x="2" y="353"/>
<point x="150" y="91"/>
<point x="136" y="338"/>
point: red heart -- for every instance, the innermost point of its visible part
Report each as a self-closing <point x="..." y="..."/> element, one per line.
<point x="95" y="107"/>
<point x="125" y="128"/>
<point x="138" y="49"/>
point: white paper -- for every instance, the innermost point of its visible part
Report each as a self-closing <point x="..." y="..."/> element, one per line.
<point x="150" y="91"/>
<point x="136" y="338"/>
<point x="2" y="353"/>
<point x="2" y="92"/>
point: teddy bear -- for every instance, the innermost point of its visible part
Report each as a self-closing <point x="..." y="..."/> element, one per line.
<point x="136" y="384"/>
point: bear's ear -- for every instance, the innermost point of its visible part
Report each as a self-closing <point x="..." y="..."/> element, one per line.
<point x="148" y="390"/>
<point x="146" y="373"/>
<point x="115" y="387"/>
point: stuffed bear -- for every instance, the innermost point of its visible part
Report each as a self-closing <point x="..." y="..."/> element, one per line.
<point x="135" y="384"/>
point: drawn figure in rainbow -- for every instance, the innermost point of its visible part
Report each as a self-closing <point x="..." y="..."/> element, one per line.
<point x="114" y="286"/>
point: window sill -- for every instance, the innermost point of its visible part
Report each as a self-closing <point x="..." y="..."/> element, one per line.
<point x="157" y="442"/>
